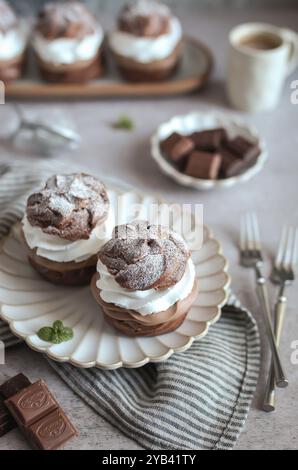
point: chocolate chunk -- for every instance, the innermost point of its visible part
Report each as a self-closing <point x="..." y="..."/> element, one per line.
<point x="14" y="385"/>
<point x="203" y="165"/>
<point x="7" y="390"/>
<point x="176" y="146"/>
<point x="6" y="420"/>
<point x="32" y="403"/>
<point x="209" y="140"/>
<point x="52" y="431"/>
<point x="242" y="147"/>
<point x="238" y="155"/>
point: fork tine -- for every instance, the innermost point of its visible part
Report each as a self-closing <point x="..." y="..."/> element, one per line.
<point x="256" y="231"/>
<point x="249" y="231"/>
<point x="281" y="247"/>
<point x="288" y="249"/>
<point x="243" y="235"/>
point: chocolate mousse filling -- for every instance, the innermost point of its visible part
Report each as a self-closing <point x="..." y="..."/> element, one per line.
<point x="133" y="323"/>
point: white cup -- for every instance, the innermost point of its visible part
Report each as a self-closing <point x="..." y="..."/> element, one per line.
<point x="255" y="76"/>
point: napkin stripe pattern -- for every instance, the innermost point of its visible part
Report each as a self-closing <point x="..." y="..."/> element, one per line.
<point x="198" y="399"/>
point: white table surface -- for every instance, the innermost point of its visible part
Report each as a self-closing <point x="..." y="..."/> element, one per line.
<point x="273" y="194"/>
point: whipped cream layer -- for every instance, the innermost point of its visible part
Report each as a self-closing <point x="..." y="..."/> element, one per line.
<point x="58" y="249"/>
<point x="148" y="301"/>
<point x="13" y="43"/>
<point x="144" y="49"/>
<point x="68" y="50"/>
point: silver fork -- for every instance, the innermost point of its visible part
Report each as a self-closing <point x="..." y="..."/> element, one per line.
<point x="282" y="274"/>
<point x="251" y="256"/>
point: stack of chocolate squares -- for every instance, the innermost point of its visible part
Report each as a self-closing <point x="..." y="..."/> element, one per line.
<point x="210" y="154"/>
<point x="34" y="410"/>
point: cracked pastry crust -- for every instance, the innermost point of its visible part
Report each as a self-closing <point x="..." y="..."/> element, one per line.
<point x="69" y="206"/>
<point x="141" y="256"/>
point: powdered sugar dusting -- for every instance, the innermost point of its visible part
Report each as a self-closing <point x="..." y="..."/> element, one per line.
<point x="146" y="8"/>
<point x="149" y="256"/>
<point x="69" y="206"/>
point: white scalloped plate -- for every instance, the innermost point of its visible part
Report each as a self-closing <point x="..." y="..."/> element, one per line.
<point x="199" y="121"/>
<point x="27" y="303"/>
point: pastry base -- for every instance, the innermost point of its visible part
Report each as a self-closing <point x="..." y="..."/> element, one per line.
<point x="155" y="71"/>
<point x="12" y="69"/>
<point x="76" y="277"/>
<point x="132" y="327"/>
<point x="79" y="72"/>
<point x="65" y="274"/>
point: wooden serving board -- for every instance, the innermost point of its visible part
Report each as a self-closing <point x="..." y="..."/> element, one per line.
<point x="194" y="71"/>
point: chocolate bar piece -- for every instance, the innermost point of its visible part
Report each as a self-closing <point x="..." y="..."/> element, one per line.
<point x="233" y="164"/>
<point x="40" y="417"/>
<point x="6" y="420"/>
<point x="14" y="385"/>
<point x="203" y="165"/>
<point x="177" y="146"/>
<point x="8" y="389"/>
<point x="209" y="140"/>
<point x="51" y="432"/>
<point x="31" y="403"/>
<point x="243" y="148"/>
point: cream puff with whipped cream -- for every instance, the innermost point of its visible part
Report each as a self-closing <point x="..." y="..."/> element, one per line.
<point x="147" y="42"/>
<point x="146" y="280"/>
<point x="68" y="43"/>
<point x="13" y="43"/>
<point x="64" y="227"/>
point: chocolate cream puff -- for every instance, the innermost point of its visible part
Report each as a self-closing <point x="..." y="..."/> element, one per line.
<point x="65" y="225"/>
<point x="146" y="280"/>
<point x="13" y="43"/>
<point x="68" y="43"/>
<point x="147" y="43"/>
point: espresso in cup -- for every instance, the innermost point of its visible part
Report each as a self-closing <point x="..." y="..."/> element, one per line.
<point x="261" y="56"/>
<point x="261" y="42"/>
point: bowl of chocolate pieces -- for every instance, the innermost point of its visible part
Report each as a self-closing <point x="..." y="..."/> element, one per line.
<point x="205" y="151"/>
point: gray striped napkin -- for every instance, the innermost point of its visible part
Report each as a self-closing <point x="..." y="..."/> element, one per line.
<point x="198" y="399"/>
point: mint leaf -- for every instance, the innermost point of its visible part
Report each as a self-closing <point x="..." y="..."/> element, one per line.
<point x="58" y="326"/>
<point x="56" y="338"/>
<point x="66" y="334"/>
<point x="46" y="333"/>
<point x="56" y="334"/>
<point x="124" y="122"/>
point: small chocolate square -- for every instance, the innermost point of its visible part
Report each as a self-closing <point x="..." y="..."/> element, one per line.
<point x="209" y="140"/>
<point x="52" y="431"/>
<point x="14" y="385"/>
<point x="203" y="165"/>
<point x="31" y="403"/>
<point x="176" y="146"/>
<point x="242" y="147"/>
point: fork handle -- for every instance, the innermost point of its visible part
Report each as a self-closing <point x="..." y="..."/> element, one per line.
<point x="279" y="314"/>
<point x="262" y="292"/>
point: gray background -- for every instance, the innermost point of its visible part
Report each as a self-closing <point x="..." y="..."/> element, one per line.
<point x="30" y="6"/>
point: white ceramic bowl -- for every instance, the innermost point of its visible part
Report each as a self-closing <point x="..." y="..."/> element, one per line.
<point x="27" y="303"/>
<point x="200" y="121"/>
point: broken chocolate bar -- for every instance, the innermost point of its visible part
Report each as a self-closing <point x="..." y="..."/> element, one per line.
<point x="176" y="146"/>
<point x="39" y="417"/>
<point x="8" y="389"/>
<point x="209" y="140"/>
<point x="6" y="420"/>
<point x="14" y="385"/>
<point x="203" y="165"/>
